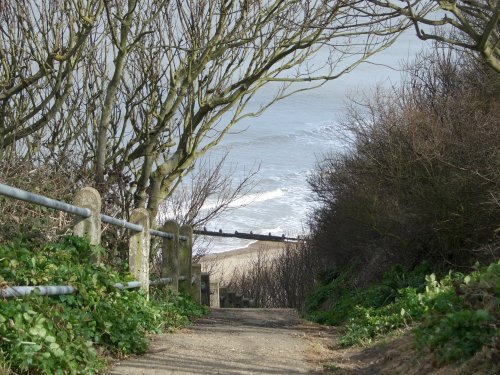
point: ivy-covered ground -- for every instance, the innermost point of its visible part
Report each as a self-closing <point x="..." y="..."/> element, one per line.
<point x="452" y="318"/>
<point x="74" y="334"/>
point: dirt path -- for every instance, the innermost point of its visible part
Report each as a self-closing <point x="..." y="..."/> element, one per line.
<point x="228" y="341"/>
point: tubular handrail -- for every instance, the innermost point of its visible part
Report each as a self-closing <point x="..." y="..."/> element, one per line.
<point x="56" y="290"/>
<point x="157" y="233"/>
<point x="128" y="285"/>
<point x="162" y="281"/>
<point x="47" y="290"/>
<point x="121" y="223"/>
<point x="40" y="200"/>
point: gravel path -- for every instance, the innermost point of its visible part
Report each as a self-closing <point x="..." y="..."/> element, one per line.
<point x="228" y="341"/>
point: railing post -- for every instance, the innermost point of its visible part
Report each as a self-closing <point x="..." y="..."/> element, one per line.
<point x="170" y="254"/>
<point x="89" y="227"/>
<point x="185" y="258"/>
<point x="205" y="288"/>
<point x="139" y="244"/>
<point x="196" y="282"/>
<point x="222" y="297"/>
<point x="214" y="294"/>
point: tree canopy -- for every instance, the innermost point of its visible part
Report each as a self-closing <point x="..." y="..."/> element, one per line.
<point x="142" y="89"/>
<point x="468" y="24"/>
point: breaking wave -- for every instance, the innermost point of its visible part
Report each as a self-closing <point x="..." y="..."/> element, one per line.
<point x="251" y="198"/>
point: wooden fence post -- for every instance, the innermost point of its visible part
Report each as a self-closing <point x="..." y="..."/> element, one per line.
<point x="170" y="254"/>
<point x="185" y="258"/>
<point x="89" y="227"/>
<point x="139" y="244"/>
<point x="196" y="284"/>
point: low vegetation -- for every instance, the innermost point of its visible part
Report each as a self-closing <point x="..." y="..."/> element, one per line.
<point x="335" y="299"/>
<point x="74" y="333"/>
<point x="461" y="314"/>
<point x="454" y="316"/>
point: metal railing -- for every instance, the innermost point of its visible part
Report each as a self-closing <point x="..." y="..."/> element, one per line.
<point x="55" y="290"/>
<point x="51" y="290"/>
<point x="40" y="200"/>
<point x="139" y="269"/>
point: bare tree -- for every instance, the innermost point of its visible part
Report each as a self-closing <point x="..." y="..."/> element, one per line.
<point x="207" y="194"/>
<point x="42" y="45"/>
<point x="283" y="279"/>
<point x="139" y="90"/>
<point x="190" y="84"/>
<point x="475" y="23"/>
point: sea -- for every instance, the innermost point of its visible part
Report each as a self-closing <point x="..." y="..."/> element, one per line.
<point x="287" y="141"/>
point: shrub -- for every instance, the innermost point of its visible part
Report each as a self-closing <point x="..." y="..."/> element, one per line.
<point x="420" y="179"/>
<point x="65" y="334"/>
<point x="40" y="333"/>
<point x="177" y="310"/>
<point x="283" y="279"/>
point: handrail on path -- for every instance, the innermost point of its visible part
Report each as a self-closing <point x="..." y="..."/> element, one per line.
<point x="176" y="247"/>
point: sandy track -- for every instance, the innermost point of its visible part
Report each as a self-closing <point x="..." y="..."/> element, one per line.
<point x="228" y="341"/>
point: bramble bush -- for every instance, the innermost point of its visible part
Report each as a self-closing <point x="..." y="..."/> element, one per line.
<point x="69" y="334"/>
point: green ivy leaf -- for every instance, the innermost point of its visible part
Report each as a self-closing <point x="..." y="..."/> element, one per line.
<point x="50" y="339"/>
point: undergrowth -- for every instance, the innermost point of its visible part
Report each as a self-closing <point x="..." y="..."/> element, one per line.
<point x="461" y="314"/>
<point x="333" y="302"/>
<point x="453" y="318"/>
<point x="71" y="334"/>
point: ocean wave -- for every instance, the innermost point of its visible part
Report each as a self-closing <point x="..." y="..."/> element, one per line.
<point x="274" y="231"/>
<point x="322" y="131"/>
<point x="221" y="245"/>
<point x="251" y="198"/>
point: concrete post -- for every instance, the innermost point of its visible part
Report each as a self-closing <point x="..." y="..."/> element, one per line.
<point x="139" y="245"/>
<point x="223" y="297"/>
<point x="231" y="299"/>
<point x="170" y="254"/>
<point x="89" y="227"/>
<point x="205" y="289"/>
<point x="185" y="258"/>
<point x="196" y="283"/>
<point x="214" y="294"/>
<point x="238" y="301"/>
